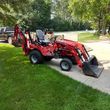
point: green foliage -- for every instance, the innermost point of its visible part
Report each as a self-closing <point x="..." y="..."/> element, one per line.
<point x="95" y="11"/>
<point x="60" y="9"/>
<point x="10" y="11"/>
<point x="61" y="15"/>
<point x="64" y="19"/>
<point x="58" y="24"/>
<point x="40" y="14"/>
<point x="37" y="14"/>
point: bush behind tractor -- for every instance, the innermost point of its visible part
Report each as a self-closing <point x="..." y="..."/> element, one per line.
<point x="71" y="52"/>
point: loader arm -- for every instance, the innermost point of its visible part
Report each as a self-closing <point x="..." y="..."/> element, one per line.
<point x="88" y="63"/>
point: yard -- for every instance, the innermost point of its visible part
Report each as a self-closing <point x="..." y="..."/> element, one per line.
<point x="24" y="86"/>
<point x="87" y="37"/>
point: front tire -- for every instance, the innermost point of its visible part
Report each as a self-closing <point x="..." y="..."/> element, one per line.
<point x="35" y="57"/>
<point x="66" y="64"/>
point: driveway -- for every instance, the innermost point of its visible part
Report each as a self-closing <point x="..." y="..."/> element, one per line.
<point x="102" y="51"/>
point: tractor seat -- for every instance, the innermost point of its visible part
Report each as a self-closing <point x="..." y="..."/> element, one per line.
<point x="41" y="37"/>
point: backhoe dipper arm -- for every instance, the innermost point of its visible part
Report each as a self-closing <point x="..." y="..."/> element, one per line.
<point x="17" y="31"/>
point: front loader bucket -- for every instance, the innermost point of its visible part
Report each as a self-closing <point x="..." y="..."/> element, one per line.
<point x="92" y="67"/>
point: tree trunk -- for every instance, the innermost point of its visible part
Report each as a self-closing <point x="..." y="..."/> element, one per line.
<point x="104" y="21"/>
<point x="109" y="29"/>
<point x="99" y="26"/>
<point x="103" y="27"/>
<point x="99" y="22"/>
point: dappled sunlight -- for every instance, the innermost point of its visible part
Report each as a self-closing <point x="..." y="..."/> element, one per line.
<point x="11" y="57"/>
<point x="6" y="45"/>
<point x="26" y="62"/>
<point x="16" y="58"/>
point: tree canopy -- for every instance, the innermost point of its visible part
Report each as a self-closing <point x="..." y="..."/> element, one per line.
<point x="57" y="14"/>
<point x="95" y="11"/>
<point x="12" y="10"/>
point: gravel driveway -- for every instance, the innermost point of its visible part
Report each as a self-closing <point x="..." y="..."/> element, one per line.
<point x="102" y="51"/>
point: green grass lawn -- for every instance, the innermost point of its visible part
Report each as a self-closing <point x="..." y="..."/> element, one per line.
<point x="24" y="86"/>
<point x="87" y="37"/>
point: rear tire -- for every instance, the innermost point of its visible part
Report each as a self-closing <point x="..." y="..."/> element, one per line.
<point x="66" y="64"/>
<point x="35" y="57"/>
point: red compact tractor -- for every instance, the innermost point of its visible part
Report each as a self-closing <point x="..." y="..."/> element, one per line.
<point x="71" y="52"/>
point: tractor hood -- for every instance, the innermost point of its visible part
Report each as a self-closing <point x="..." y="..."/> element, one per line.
<point x="68" y="42"/>
<point x="71" y="43"/>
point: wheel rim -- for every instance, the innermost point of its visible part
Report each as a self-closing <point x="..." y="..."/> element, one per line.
<point x="9" y="40"/>
<point x="65" y="65"/>
<point x="34" y="59"/>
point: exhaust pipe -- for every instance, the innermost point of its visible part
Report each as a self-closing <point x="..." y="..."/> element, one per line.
<point x="92" y="67"/>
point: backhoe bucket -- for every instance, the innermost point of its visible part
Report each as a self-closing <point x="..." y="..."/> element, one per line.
<point x="92" y="67"/>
